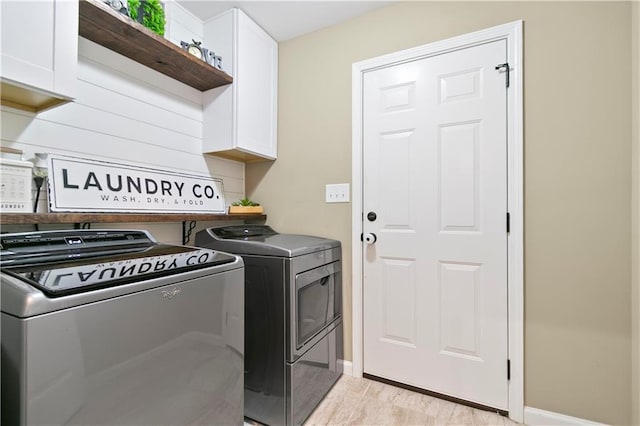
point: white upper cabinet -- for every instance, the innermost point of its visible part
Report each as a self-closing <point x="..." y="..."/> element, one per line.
<point x="39" y="52"/>
<point x="240" y="120"/>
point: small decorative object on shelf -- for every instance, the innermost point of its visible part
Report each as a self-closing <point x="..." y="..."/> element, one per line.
<point x="245" y="206"/>
<point x="194" y="48"/>
<point x="40" y="173"/>
<point x="15" y="184"/>
<point x="149" y="13"/>
<point x="214" y="60"/>
<point x="121" y="6"/>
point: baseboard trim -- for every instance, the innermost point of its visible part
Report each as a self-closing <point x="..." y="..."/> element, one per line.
<point x="538" y="417"/>
<point x="346" y="367"/>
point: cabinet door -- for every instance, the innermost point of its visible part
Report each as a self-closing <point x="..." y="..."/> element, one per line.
<point x="40" y="45"/>
<point x="219" y="118"/>
<point x="240" y="121"/>
<point x="257" y="76"/>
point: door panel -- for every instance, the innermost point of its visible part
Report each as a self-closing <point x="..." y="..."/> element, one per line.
<point x="435" y="281"/>
<point x="459" y="301"/>
<point x="398" y="302"/>
<point x="458" y="175"/>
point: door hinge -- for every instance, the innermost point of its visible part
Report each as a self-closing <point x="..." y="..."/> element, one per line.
<point x="508" y="222"/>
<point x="507" y="69"/>
<point x="508" y="369"/>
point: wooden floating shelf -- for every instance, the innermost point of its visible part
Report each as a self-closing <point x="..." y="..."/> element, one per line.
<point x="59" y="218"/>
<point x="115" y="31"/>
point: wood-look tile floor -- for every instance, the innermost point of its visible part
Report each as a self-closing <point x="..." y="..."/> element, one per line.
<point x="365" y="402"/>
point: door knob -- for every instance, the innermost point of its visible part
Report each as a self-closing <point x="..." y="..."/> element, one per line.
<point x="370" y="238"/>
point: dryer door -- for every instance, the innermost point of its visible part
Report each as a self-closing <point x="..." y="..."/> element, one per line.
<point x="316" y="305"/>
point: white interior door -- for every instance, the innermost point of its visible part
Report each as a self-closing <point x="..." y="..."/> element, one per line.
<point x="435" y="175"/>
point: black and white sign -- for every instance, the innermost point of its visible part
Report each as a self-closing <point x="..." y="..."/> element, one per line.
<point x="83" y="185"/>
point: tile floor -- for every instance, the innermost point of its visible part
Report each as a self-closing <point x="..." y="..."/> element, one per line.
<point x="366" y="402"/>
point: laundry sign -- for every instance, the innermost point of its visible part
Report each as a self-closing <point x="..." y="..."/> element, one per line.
<point x="84" y="185"/>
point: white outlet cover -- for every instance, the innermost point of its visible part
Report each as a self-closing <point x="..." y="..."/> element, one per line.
<point x="337" y="193"/>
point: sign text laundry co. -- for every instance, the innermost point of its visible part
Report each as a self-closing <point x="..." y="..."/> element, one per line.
<point x="77" y="184"/>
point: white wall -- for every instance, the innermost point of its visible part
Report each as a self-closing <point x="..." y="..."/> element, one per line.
<point x="126" y="112"/>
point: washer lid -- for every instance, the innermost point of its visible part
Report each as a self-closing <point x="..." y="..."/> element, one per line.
<point x="261" y="240"/>
<point x="84" y="274"/>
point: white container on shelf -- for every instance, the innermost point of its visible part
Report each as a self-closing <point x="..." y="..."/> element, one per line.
<point x="16" y="182"/>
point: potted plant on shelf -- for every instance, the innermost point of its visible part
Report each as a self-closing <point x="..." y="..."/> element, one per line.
<point x="245" y="206"/>
<point x="149" y="13"/>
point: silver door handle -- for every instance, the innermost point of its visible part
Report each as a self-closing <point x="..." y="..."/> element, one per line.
<point x="370" y="238"/>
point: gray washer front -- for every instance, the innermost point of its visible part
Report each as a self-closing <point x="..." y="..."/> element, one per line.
<point x="111" y="328"/>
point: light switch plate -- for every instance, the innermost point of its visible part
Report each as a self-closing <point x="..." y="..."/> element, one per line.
<point x="337" y="193"/>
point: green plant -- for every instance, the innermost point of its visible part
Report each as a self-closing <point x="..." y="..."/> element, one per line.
<point x="245" y="202"/>
<point x="152" y="14"/>
<point x="133" y="9"/>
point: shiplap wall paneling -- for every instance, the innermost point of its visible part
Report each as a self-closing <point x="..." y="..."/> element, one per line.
<point x="127" y="113"/>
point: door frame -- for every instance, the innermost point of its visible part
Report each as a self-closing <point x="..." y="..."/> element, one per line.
<point x="512" y="33"/>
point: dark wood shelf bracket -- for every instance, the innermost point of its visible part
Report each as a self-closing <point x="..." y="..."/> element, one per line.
<point x="187" y="230"/>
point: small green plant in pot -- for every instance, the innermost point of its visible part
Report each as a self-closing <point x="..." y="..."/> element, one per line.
<point x="245" y="206"/>
<point x="149" y="13"/>
<point x="245" y="202"/>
